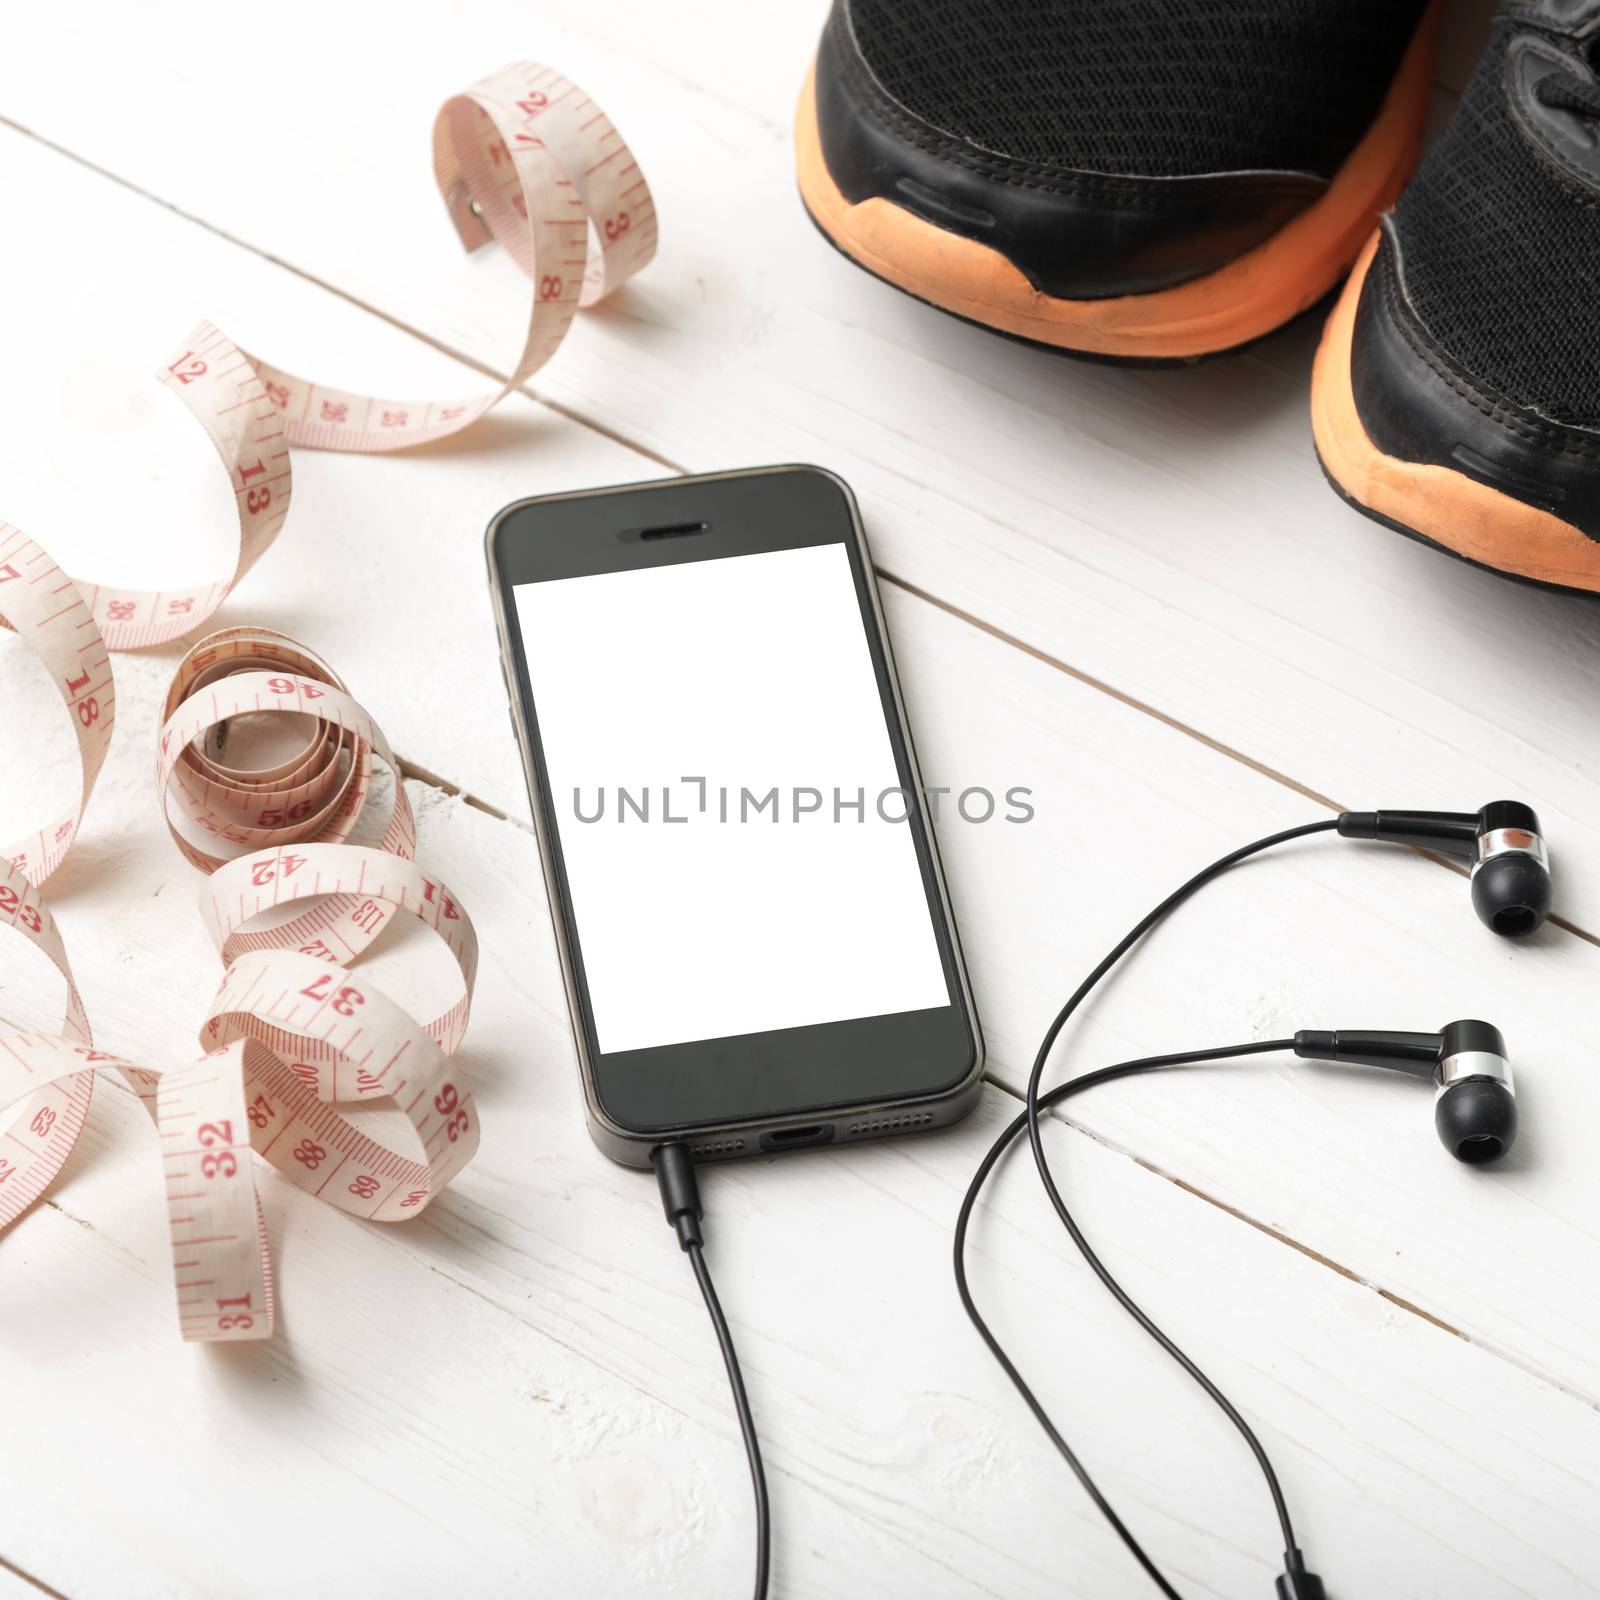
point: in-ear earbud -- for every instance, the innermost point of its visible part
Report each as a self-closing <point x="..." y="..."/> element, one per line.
<point x="1475" y="1107"/>
<point x="1510" y="866"/>
<point x="1511" y="875"/>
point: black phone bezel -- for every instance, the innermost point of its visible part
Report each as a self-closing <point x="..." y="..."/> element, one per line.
<point x="788" y="1072"/>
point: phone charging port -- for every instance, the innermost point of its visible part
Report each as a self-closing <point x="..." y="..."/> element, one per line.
<point x="788" y="1138"/>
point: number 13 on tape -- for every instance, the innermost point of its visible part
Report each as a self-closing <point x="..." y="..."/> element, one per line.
<point x="525" y="159"/>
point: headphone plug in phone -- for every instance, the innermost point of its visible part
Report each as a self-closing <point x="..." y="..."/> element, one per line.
<point x="680" y="1200"/>
<point x="1296" y="1583"/>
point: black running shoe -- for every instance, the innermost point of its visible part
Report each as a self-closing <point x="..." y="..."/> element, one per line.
<point x="1457" y="391"/>
<point x="1143" y="179"/>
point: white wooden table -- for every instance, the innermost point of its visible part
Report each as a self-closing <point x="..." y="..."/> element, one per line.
<point x="1128" y="590"/>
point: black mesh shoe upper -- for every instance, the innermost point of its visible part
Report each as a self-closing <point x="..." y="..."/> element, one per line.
<point x="1157" y="88"/>
<point x="1500" y="249"/>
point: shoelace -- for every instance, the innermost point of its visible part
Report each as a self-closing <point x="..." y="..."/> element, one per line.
<point x="1569" y="93"/>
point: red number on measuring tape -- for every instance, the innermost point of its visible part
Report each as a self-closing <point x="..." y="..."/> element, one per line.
<point x="344" y="1001"/>
<point x="234" y="1319"/>
<point x="13" y="905"/>
<point x="309" y="1154"/>
<point x="264" y="872"/>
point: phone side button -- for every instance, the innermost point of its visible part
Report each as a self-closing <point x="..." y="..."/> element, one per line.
<point x="511" y="715"/>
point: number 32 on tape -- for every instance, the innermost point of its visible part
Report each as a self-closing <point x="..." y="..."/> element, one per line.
<point x="524" y="159"/>
<point x="290" y="1036"/>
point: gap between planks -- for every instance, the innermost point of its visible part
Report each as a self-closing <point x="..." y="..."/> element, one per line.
<point x="421" y="774"/>
<point x="1398" y="1301"/>
<point x="580" y="419"/>
<point x="29" y="1579"/>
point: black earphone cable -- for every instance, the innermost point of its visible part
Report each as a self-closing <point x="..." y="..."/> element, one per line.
<point x="998" y="1149"/>
<point x="1029" y="1117"/>
<point x="680" y="1199"/>
<point x="747" y="1423"/>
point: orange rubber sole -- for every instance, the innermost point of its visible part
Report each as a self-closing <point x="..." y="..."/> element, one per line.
<point x="1265" y="288"/>
<point x="1446" y="508"/>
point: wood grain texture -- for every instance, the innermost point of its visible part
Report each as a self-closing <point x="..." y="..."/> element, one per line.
<point x="520" y="1391"/>
<point x="1035" y="903"/>
<point x="417" y="1363"/>
<point x="1236" y="595"/>
<point x="17" y="1585"/>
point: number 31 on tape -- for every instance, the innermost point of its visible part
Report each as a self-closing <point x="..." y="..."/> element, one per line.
<point x="523" y="158"/>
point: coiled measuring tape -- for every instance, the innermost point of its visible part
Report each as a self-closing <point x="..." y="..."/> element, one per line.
<point x="523" y="158"/>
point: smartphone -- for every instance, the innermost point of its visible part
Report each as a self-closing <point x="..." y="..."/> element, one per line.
<point x="757" y="943"/>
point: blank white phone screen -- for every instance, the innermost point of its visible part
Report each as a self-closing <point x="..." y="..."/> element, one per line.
<point x="727" y="679"/>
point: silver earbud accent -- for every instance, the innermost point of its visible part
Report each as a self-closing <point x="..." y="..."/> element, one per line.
<point x="1510" y="842"/>
<point x="1474" y="1064"/>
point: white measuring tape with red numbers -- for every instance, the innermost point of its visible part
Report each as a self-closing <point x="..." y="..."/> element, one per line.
<point x="523" y="158"/>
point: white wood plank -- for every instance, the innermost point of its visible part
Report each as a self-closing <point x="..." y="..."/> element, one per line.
<point x="1038" y="905"/>
<point x="1323" y="934"/>
<point x="13" y="1586"/>
<point x="116" y="480"/>
<point x="888" y="1432"/>
<point x="518" y="1392"/>
<point x="1175" y="535"/>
